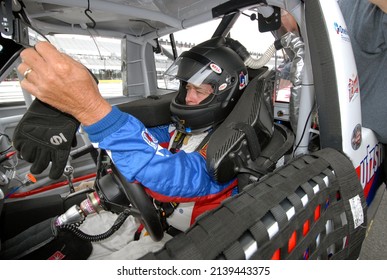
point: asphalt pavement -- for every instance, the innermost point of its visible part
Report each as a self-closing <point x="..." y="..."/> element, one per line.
<point x="375" y="244"/>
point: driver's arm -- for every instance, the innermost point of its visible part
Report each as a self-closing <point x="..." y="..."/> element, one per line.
<point x="137" y="154"/>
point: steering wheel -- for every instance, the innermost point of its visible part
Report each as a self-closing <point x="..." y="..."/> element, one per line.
<point x="117" y="194"/>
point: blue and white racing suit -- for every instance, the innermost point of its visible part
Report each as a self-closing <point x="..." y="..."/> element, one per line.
<point x="140" y="156"/>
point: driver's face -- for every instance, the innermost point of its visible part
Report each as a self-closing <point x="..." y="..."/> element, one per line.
<point x="196" y="94"/>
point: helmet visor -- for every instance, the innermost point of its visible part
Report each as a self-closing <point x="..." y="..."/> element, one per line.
<point x="199" y="71"/>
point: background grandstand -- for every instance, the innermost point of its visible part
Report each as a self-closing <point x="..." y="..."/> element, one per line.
<point x="103" y="57"/>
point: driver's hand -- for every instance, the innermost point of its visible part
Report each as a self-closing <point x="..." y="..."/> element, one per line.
<point x="62" y="82"/>
<point x="45" y="135"/>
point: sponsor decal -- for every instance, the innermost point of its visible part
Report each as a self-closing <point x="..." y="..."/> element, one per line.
<point x="356" y="137"/>
<point x="343" y="32"/>
<point x="242" y="80"/>
<point x="222" y="86"/>
<point x="149" y="139"/>
<point x="215" y="68"/>
<point x="203" y="151"/>
<point x="160" y="151"/>
<point x="369" y="166"/>
<point x="357" y="211"/>
<point x="58" y="139"/>
<point x="58" y="255"/>
<point x="353" y="87"/>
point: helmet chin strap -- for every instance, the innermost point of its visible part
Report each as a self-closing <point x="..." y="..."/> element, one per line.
<point x="179" y="123"/>
<point x="187" y="130"/>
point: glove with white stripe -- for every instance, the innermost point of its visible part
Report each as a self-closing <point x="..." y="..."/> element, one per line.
<point x="45" y="135"/>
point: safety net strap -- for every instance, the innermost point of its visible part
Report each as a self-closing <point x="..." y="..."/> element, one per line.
<point x="311" y="208"/>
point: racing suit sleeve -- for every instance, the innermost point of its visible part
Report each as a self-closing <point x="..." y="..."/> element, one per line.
<point x="179" y="177"/>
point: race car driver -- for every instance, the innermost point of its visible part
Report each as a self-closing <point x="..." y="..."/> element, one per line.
<point x="212" y="78"/>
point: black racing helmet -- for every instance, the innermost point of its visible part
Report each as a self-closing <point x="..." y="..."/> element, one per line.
<point x="211" y="62"/>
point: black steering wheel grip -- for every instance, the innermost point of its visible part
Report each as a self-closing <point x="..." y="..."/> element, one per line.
<point x="142" y="204"/>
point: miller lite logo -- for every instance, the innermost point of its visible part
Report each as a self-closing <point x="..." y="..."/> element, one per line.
<point x="353" y="87"/>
